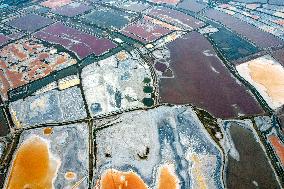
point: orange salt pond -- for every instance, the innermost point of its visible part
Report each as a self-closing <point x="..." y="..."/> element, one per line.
<point x="47" y="130"/>
<point x="33" y="166"/>
<point x="121" y="56"/>
<point x="70" y="175"/>
<point x="167" y="180"/>
<point x="113" y="179"/>
<point x="271" y="77"/>
<point x="267" y="76"/>
<point x="278" y="146"/>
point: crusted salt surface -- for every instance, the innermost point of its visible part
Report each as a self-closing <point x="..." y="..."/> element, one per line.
<point x="52" y="106"/>
<point x="263" y="123"/>
<point x="2" y="148"/>
<point x="143" y="141"/>
<point x="69" y="145"/>
<point x="208" y="30"/>
<point x="227" y="141"/>
<point x="229" y="147"/>
<point x="115" y="83"/>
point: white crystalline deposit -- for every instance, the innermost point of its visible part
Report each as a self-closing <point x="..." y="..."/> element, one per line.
<point x="49" y="107"/>
<point x="2" y="148"/>
<point x="143" y="141"/>
<point x="115" y="83"/>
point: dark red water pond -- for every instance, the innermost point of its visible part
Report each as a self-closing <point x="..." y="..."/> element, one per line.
<point x="202" y="79"/>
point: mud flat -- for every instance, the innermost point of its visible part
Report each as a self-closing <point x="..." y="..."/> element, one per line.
<point x="3" y="147"/>
<point x="165" y="147"/>
<point x="4" y="127"/>
<point x="202" y="79"/>
<point x="280" y="114"/>
<point x="252" y="169"/>
<point x="267" y="76"/>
